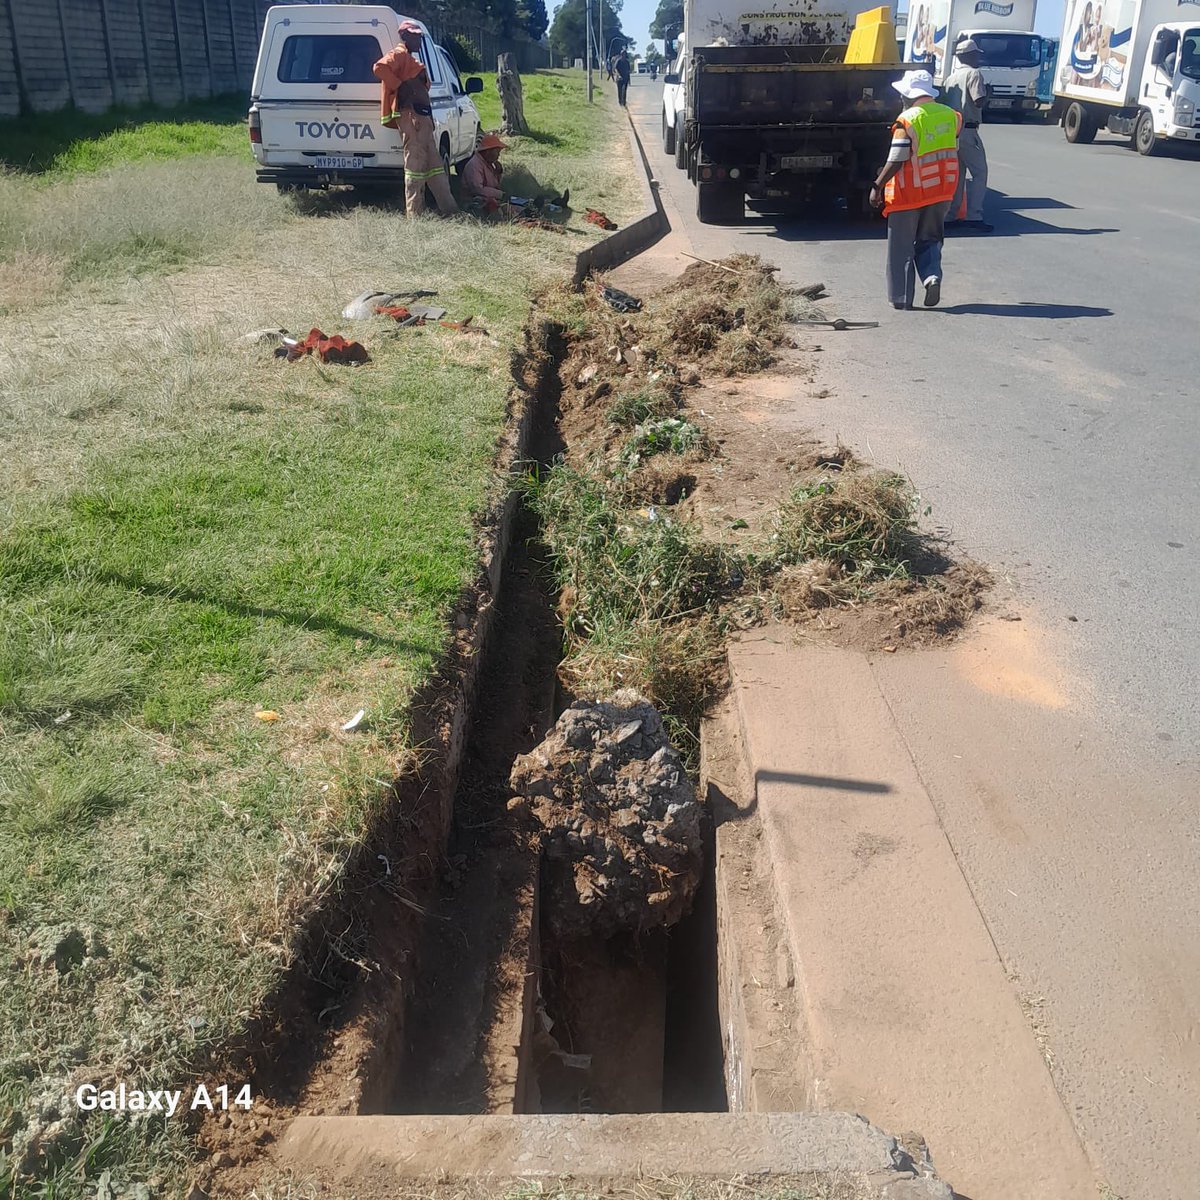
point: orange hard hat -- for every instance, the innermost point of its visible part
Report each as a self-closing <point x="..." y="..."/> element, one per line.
<point x="490" y="141"/>
<point x="411" y="27"/>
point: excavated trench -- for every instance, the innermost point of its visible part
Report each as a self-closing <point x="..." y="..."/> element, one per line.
<point x="508" y="1015"/>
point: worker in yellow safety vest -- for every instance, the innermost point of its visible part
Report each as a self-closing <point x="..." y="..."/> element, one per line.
<point x="915" y="187"/>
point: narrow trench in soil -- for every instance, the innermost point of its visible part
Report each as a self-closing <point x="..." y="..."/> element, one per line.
<point x="505" y="1017"/>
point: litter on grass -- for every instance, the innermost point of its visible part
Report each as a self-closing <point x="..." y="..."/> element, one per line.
<point x="328" y="348"/>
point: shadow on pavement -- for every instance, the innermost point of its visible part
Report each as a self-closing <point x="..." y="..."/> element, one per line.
<point x="1027" y="308"/>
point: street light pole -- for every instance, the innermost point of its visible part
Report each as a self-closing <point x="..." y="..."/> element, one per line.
<point x="588" y="20"/>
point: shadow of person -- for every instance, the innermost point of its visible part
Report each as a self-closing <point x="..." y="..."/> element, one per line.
<point x="1025" y="308"/>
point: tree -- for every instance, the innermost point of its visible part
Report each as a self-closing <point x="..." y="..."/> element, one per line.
<point x="533" y="17"/>
<point x="653" y="55"/>
<point x="568" y="33"/>
<point x="668" y="20"/>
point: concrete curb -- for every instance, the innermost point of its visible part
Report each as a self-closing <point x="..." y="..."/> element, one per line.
<point x="635" y="237"/>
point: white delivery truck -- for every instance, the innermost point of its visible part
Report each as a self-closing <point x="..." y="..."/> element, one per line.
<point x="1128" y="67"/>
<point x="314" y="103"/>
<point x="1003" y="30"/>
<point x="761" y="103"/>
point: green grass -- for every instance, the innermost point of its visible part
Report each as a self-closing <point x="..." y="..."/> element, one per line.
<point x="71" y="142"/>
<point x="192" y="531"/>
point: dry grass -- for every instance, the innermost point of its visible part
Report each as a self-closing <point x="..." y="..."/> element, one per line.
<point x="730" y="318"/>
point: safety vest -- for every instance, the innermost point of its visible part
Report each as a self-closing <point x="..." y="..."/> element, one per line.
<point x="931" y="173"/>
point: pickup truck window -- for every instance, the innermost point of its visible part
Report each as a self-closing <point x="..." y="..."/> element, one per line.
<point x="329" y="58"/>
<point x="451" y="72"/>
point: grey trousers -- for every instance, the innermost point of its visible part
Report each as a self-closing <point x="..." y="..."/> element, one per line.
<point x="972" y="160"/>
<point x="914" y="249"/>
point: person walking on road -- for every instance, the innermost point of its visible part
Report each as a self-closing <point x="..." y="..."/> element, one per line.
<point x="622" y="71"/>
<point x="915" y="187"/>
<point x="966" y="93"/>
<point x="405" y="106"/>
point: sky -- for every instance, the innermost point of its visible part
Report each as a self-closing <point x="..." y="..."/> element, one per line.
<point x="636" y="16"/>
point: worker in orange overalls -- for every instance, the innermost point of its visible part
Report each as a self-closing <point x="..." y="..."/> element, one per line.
<point x="483" y="176"/>
<point x="405" y="106"/>
<point x="915" y="187"/>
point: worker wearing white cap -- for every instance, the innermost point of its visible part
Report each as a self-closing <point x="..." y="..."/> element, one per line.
<point x="966" y="92"/>
<point x="915" y="187"/>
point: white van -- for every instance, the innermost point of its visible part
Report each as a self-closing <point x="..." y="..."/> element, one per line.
<point x="314" y="104"/>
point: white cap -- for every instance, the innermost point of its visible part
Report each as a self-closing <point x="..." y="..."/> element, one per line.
<point x="914" y="84"/>
<point x="967" y="46"/>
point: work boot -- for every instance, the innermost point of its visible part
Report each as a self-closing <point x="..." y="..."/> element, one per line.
<point x="933" y="291"/>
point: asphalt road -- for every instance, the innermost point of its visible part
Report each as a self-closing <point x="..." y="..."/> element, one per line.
<point x="1048" y="413"/>
<point x="1048" y="408"/>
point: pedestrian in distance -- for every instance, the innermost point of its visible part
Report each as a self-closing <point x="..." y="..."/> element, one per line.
<point x="405" y="106"/>
<point x="966" y="93"/>
<point x="915" y="186"/>
<point x="622" y="71"/>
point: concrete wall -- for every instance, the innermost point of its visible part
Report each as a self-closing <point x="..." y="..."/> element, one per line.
<point x="96" y="53"/>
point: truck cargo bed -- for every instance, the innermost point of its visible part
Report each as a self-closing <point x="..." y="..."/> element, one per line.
<point x="795" y="86"/>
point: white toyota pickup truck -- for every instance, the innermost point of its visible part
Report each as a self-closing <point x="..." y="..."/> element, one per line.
<point x="314" y="104"/>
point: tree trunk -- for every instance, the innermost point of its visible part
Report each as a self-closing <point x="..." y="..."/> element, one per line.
<point x="512" y="101"/>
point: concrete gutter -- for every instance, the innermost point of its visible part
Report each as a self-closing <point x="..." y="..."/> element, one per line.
<point x="635" y="237"/>
<point x="615" y="1146"/>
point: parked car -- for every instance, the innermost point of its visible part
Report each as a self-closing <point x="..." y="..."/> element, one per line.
<point x="314" y="104"/>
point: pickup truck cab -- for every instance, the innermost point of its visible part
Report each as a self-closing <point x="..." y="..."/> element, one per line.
<point x="314" y="104"/>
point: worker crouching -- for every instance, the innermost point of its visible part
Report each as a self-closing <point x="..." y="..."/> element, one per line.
<point x="405" y="106"/>
<point x="483" y="176"/>
<point x="915" y="187"/>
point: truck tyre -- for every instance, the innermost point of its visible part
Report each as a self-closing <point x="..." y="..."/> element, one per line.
<point x="668" y="135"/>
<point x="1145" y="142"/>
<point x="1078" y="124"/>
<point x="446" y="157"/>
<point x="681" y="154"/>
<point x="720" y="203"/>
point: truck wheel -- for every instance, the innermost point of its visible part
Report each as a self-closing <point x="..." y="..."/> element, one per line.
<point x="681" y="154"/>
<point x="1078" y="124"/>
<point x="720" y="203"/>
<point x="1144" y="140"/>
<point x="668" y="135"/>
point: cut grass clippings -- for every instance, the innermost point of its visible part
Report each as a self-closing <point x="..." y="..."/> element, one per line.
<point x="647" y="598"/>
<point x="193" y="533"/>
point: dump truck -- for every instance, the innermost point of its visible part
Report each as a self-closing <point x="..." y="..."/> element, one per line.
<point x="770" y="109"/>
<point x="1003" y="31"/>
<point x="1129" y="68"/>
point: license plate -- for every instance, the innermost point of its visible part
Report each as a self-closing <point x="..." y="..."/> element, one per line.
<point x="806" y="162"/>
<point x="339" y="162"/>
<point x="995" y="103"/>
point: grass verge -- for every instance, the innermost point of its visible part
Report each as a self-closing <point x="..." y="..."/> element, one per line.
<point x="210" y="560"/>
